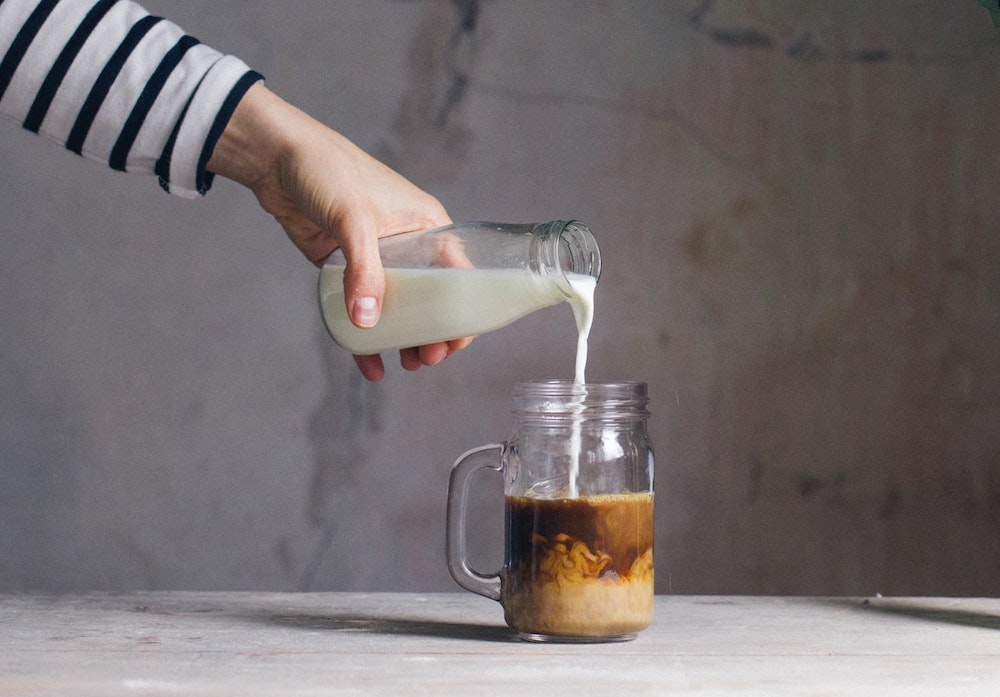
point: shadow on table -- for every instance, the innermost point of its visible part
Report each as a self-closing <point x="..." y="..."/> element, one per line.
<point x="395" y="626"/>
<point x="921" y="609"/>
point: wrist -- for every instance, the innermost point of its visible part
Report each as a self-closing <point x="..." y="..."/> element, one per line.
<point x="249" y="148"/>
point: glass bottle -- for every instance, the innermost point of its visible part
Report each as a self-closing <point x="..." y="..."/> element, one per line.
<point x="463" y="280"/>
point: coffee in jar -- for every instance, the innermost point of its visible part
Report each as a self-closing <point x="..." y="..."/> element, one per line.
<point x="579" y="567"/>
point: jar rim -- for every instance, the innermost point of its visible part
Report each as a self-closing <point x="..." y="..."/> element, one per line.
<point x="567" y="385"/>
<point x="562" y="398"/>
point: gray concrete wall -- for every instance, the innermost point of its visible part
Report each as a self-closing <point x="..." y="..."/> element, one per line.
<point x="797" y="207"/>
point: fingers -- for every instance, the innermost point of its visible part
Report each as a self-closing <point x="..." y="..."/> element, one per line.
<point x="449" y="250"/>
<point x="409" y="358"/>
<point x="364" y="311"/>
<point x="459" y="344"/>
<point x="364" y="281"/>
<point x="371" y="367"/>
<point x="430" y="354"/>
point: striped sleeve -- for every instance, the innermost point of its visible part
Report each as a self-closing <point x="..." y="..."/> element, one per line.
<point x="118" y="85"/>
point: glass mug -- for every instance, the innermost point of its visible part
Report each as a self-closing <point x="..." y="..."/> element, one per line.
<point x="578" y="503"/>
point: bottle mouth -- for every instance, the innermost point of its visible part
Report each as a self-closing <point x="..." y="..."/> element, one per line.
<point x="567" y="247"/>
<point x="558" y="399"/>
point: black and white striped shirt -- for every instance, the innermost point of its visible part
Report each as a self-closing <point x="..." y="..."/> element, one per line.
<point x="115" y="84"/>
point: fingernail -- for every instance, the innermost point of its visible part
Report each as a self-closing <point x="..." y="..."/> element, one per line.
<point x="366" y="311"/>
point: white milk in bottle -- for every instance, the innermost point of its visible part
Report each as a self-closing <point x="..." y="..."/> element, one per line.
<point x="422" y="306"/>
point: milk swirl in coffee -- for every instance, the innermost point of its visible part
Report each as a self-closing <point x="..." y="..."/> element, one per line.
<point x="579" y="567"/>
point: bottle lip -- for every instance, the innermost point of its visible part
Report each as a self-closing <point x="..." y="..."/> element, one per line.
<point x="566" y="398"/>
<point x="567" y="246"/>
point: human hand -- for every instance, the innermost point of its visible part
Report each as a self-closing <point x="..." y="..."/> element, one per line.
<point x="328" y="193"/>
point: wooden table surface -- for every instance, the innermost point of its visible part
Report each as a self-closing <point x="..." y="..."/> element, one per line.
<point x="224" y="643"/>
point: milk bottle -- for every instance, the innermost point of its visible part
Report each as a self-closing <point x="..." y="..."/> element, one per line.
<point x="465" y="280"/>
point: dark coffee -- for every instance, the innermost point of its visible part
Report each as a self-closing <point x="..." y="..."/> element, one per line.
<point x="579" y="566"/>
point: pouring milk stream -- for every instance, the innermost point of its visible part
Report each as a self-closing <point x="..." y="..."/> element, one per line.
<point x="582" y="303"/>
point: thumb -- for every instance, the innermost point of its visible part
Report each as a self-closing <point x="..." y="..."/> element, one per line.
<point x="364" y="282"/>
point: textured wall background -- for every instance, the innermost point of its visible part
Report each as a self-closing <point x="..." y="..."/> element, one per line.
<point x="796" y="202"/>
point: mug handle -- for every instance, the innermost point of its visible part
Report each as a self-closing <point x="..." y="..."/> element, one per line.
<point x="458" y="488"/>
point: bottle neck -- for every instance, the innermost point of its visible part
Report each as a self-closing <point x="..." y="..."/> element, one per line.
<point x="564" y="247"/>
